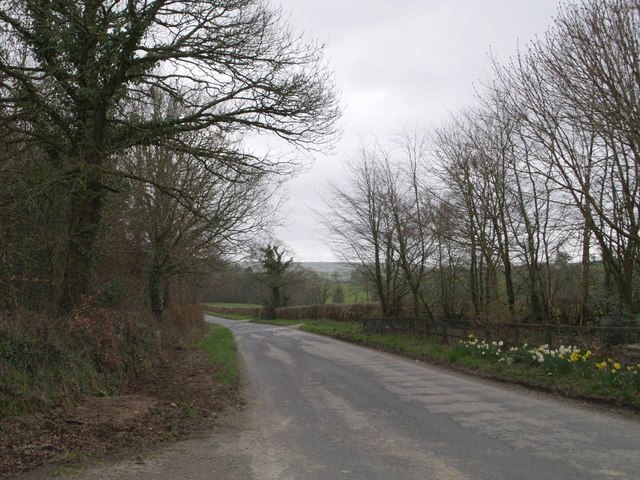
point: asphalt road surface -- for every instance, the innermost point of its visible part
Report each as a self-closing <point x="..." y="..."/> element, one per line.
<point x="326" y="410"/>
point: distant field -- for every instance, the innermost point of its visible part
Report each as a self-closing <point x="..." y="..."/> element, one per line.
<point x="230" y="316"/>
<point x="231" y="311"/>
<point x="232" y="305"/>
<point x="353" y="293"/>
<point x="328" y="268"/>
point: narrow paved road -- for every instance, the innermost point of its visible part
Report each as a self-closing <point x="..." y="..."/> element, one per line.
<point x="320" y="409"/>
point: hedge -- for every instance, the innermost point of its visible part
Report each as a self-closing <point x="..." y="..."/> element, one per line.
<point x="339" y="312"/>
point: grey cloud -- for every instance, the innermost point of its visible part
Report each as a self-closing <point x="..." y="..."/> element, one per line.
<point x="396" y="62"/>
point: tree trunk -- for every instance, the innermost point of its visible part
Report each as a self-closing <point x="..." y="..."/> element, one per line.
<point x="536" y="306"/>
<point x="475" y="285"/>
<point x="86" y="202"/>
<point x="584" y="280"/>
<point x="508" y="278"/>
<point x="625" y="284"/>
<point x="85" y="212"/>
<point x="416" y="301"/>
<point x="156" y="289"/>
<point x="274" y="302"/>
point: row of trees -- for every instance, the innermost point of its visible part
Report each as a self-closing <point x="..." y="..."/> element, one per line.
<point x="122" y="161"/>
<point x="525" y="205"/>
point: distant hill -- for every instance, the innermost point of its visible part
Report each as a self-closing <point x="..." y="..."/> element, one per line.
<point x="341" y="268"/>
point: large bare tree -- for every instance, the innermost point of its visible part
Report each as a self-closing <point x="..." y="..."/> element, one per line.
<point x="73" y="75"/>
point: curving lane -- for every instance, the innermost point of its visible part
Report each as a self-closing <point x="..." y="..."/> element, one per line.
<point x="322" y="409"/>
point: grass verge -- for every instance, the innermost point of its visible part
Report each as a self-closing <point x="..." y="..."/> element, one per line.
<point x="280" y="322"/>
<point x="228" y="316"/>
<point x="221" y="349"/>
<point x="568" y="384"/>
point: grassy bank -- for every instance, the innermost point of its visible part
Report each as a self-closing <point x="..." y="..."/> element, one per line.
<point x="589" y="384"/>
<point x="184" y="389"/>
<point x="50" y="362"/>
<point x="47" y="362"/>
<point x="222" y="352"/>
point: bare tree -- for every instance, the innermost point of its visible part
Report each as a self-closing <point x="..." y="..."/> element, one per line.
<point x="225" y="210"/>
<point x="404" y="175"/>
<point x="73" y="76"/>
<point x="319" y="288"/>
<point x="450" y="261"/>
<point x="575" y="91"/>
<point x="462" y="167"/>
<point x="362" y="228"/>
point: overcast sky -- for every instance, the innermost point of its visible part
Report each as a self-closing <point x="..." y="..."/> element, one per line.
<point x="410" y="61"/>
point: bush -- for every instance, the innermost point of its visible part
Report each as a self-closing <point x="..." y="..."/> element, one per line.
<point x="182" y="324"/>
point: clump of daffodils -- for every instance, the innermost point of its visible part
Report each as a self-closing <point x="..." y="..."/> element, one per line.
<point x="619" y="374"/>
<point x="564" y="359"/>
<point x="483" y="348"/>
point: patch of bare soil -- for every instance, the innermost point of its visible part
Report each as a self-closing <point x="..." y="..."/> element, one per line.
<point x="175" y="398"/>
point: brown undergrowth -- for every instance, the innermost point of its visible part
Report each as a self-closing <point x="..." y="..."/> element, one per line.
<point x="162" y="389"/>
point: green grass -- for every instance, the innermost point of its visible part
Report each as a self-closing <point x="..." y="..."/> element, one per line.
<point x="229" y="316"/>
<point x="569" y="384"/>
<point x="232" y="305"/>
<point x="218" y="310"/>
<point x="280" y="322"/>
<point x="353" y="293"/>
<point x="221" y="347"/>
